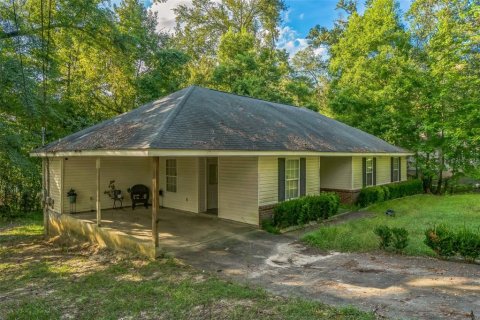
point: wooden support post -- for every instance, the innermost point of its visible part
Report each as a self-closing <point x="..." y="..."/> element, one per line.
<point x="99" y="203"/>
<point x="44" y="196"/>
<point x="155" y="200"/>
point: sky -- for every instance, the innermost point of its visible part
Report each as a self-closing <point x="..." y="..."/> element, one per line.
<point x="298" y="19"/>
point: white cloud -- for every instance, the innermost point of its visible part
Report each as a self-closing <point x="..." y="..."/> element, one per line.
<point x="301" y="16"/>
<point x="165" y="14"/>
<point x="290" y="41"/>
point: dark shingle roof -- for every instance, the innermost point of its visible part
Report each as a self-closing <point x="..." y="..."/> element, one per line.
<point x="196" y="118"/>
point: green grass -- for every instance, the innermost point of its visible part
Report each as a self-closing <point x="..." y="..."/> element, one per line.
<point x="414" y="213"/>
<point x="42" y="280"/>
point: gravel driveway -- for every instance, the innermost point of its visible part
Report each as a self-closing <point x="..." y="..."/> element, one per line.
<point x="391" y="285"/>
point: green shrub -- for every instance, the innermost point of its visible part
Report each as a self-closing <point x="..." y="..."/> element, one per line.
<point x="370" y="195"/>
<point x="468" y="244"/>
<point x="441" y="240"/>
<point x="385" y="235"/>
<point x="461" y="188"/>
<point x="305" y="209"/>
<point x="399" y="238"/>
<point x="268" y="226"/>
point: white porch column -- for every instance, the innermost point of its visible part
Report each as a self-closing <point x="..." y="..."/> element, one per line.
<point x="155" y="199"/>
<point x="99" y="203"/>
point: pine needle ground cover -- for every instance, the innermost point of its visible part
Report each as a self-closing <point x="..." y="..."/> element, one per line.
<point x="415" y="214"/>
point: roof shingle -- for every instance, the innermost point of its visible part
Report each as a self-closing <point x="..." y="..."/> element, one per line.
<point x="196" y="118"/>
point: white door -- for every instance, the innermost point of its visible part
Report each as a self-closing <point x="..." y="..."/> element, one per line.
<point x="212" y="183"/>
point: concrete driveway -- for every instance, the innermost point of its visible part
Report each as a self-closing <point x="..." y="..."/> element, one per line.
<point x="390" y="285"/>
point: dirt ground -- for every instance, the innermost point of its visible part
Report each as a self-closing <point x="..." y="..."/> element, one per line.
<point x="392" y="286"/>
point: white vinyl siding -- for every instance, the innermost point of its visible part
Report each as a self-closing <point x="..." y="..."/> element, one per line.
<point x="55" y="166"/>
<point x="336" y="173"/>
<point x="292" y="178"/>
<point x="313" y="175"/>
<point x="186" y="196"/>
<point x="383" y="170"/>
<point x="80" y="174"/>
<point x="238" y="189"/>
<point x="267" y="180"/>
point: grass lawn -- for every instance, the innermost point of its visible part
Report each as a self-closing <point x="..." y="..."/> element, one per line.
<point x="48" y="280"/>
<point x="414" y="213"/>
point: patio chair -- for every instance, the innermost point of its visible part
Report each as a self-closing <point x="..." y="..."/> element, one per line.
<point x="139" y="193"/>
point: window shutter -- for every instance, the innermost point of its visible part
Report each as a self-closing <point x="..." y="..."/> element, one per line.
<point x="374" y="171"/>
<point x="364" y="172"/>
<point x="391" y="169"/>
<point x="303" y="176"/>
<point x="399" y="168"/>
<point x="281" y="179"/>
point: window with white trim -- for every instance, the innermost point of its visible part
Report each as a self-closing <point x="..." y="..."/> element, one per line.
<point x="369" y="172"/>
<point x="171" y="175"/>
<point x="292" y="178"/>
<point x="396" y="169"/>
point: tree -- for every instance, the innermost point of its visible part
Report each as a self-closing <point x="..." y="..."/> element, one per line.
<point x="447" y="42"/>
<point x="374" y="79"/>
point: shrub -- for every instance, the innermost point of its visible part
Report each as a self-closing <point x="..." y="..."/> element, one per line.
<point x="385" y="235"/>
<point x="441" y="240"/>
<point x="370" y="195"/>
<point x="268" y="226"/>
<point x="305" y="209"/>
<point x="468" y="244"/>
<point x="399" y="238"/>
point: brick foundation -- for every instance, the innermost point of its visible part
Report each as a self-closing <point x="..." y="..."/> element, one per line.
<point x="346" y="196"/>
<point x="265" y="212"/>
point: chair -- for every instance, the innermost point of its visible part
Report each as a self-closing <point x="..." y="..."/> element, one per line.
<point x="139" y="193"/>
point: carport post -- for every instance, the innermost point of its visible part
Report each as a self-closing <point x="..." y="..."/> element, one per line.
<point x="99" y="204"/>
<point x="155" y="200"/>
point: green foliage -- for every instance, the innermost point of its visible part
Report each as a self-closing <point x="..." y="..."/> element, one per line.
<point x="399" y="239"/>
<point x="414" y="214"/>
<point x="268" y="226"/>
<point x="375" y="194"/>
<point x="305" y="209"/>
<point x="385" y="235"/>
<point x="448" y="242"/>
<point x="395" y="237"/>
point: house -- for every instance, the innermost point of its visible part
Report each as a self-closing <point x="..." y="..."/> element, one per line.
<point x="201" y="150"/>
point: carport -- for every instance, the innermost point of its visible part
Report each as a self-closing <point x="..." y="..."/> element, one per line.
<point x="125" y="229"/>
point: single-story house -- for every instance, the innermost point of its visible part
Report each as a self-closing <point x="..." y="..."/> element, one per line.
<point x="201" y="150"/>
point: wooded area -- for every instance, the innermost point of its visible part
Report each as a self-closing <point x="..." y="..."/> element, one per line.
<point x="410" y="78"/>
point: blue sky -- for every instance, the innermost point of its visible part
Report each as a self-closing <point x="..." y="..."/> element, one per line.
<point x="299" y="18"/>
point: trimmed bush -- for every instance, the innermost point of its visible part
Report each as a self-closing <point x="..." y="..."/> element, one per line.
<point x="395" y="237"/>
<point x="385" y="235"/>
<point x="441" y="240"/>
<point x="305" y="209"/>
<point x="448" y="243"/>
<point x="399" y="239"/>
<point x="370" y="195"/>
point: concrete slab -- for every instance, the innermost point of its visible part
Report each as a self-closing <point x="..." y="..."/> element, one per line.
<point x="177" y="229"/>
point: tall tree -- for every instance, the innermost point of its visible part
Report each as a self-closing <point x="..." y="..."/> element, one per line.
<point x="448" y="49"/>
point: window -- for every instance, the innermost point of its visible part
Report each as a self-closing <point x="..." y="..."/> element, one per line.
<point x="395" y="169"/>
<point x="369" y="172"/>
<point x="292" y="178"/>
<point x="171" y="175"/>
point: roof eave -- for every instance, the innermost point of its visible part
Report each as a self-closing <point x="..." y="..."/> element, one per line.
<point x="205" y="153"/>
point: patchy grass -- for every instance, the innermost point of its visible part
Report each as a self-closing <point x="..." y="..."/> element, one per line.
<point x="53" y="280"/>
<point x="414" y="213"/>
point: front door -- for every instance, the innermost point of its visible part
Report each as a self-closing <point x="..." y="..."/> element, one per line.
<point x="212" y="183"/>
